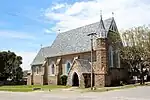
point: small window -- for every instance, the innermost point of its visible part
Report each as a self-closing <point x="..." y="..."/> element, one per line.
<point x="68" y="67"/>
<point x="53" y="69"/>
<point x="37" y="70"/>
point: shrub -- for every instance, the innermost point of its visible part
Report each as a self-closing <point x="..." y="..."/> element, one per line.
<point x="64" y="79"/>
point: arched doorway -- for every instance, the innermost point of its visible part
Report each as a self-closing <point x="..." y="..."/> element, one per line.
<point x="75" y="80"/>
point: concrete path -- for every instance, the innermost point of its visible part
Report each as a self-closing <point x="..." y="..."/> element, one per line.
<point x="139" y="93"/>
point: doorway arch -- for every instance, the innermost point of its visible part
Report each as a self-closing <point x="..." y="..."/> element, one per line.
<point x="75" y="80"/>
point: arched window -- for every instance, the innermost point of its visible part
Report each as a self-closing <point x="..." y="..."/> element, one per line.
<point x="37" y="70"/>
<point x="53" y="69"/>
<point x="118" y="59"/>
<point x="110" y="56"/>
<point x="68" y="66"/>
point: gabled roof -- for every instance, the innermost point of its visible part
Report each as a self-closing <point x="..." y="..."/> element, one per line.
<point x="73" y="41"/>
<point x="84" y="66"/>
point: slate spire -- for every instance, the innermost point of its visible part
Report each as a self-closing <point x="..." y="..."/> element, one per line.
<point x="101" y="27"/>
<point x="112" y="15"/>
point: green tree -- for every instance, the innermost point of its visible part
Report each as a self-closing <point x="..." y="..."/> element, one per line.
<point x="135" y="53"/>
<point x="10" y="66"/>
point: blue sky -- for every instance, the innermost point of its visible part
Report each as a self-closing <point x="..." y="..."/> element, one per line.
<point x="26" y="24"/>
<point x="24" y="17"/>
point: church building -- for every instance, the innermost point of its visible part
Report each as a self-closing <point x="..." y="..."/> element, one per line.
<point x="70" y="54"/>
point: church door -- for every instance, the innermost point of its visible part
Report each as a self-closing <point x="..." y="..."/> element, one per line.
<point x="75" y="80"/>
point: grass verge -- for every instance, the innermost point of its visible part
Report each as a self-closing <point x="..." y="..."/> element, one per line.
<point x="29" y="88"/>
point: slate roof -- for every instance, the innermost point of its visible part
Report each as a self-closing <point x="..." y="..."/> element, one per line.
<point x="85" y="66"/>
<point x="73" y="41"/>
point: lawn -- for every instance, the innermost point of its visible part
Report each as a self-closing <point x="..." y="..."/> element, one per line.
<point x="28" y="88"/>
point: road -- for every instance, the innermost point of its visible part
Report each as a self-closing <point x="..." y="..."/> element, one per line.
<point x="139" y="93"/>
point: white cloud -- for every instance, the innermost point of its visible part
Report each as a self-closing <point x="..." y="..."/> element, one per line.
<point x="57" y="6"/>
<point x="15" y="34"/>
<point x="128" y="13"/>
<point x="27" y="59"/>
<point x="47" y="31"/>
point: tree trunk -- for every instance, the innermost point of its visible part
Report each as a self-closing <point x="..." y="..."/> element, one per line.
<point x="142" y="76"/>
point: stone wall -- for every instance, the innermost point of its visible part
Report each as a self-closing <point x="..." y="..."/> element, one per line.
<point x="70" y="58"/>
<point x="37" y="77"/>
<point x="99" y="80"/>
<point x="38" y="80"/>
<point x="52" y="80"/>
<point x="87" y="80"/>
<point x="45" y="74"/>
<point x="29" y="80"/>
<point x="60" y="69"/>
<point x="75" y="69"/>
<point x="101" y="68"/>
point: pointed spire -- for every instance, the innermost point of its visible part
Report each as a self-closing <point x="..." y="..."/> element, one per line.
<point x="101" y="26"/>
<point x="101" y="14"/>
<point x="112" y="14"/>
<point x="42" y="50"/>
<point x="58" y="31"/>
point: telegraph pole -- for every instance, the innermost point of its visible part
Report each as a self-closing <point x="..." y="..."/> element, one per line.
<point x="91" y="34"/>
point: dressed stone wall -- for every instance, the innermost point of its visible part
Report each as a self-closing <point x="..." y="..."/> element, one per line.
<point x="75" y="69"/>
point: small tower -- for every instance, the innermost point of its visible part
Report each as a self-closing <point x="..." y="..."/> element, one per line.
<point x="101" y="27"/>
<point x="100" y="71"/>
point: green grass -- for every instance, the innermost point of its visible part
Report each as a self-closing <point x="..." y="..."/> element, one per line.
<point x="28" y="88"/>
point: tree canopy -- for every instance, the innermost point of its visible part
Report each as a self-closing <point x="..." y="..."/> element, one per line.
<point x="135" y="52"/>
<point x="10" y="66"/>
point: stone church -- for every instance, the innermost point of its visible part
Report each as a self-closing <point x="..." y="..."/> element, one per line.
<point x="70" y="54"/>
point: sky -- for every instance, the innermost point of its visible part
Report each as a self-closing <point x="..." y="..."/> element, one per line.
<point x="28" y="25"/>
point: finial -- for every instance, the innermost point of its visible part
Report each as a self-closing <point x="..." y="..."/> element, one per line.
<point x="58" y="31"/>
<point x="42" y="50"/>
<point x="41" y="45"/>
<point x="112" y="14"/>
<point x="101" y="14"/>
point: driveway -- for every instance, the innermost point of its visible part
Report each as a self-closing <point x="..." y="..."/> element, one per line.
<point x="139" y="93"/>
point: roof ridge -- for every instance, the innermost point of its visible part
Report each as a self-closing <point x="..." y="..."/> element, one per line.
<point x="84" y="26"/>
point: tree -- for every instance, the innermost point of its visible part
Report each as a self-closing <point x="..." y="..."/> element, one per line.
<point x="135" y="52"/>
<point x="17" y="74"/>
<point x="64" y="79"/>
<point x="10" y="66"/>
